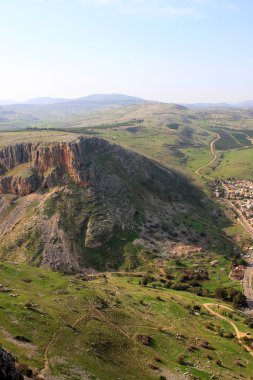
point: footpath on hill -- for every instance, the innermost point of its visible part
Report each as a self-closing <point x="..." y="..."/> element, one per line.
<point x="240" y="335"/>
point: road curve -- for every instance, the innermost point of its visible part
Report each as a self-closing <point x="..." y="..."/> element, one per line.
<point x="240" y="335"/>
<point x="212" y="149"/>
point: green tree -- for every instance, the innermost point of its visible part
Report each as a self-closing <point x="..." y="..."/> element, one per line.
<point x="221" y="293"/>
<point x="240" y="301"/>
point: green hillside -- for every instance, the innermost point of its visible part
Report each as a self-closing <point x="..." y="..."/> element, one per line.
<point x="111" y="327"/>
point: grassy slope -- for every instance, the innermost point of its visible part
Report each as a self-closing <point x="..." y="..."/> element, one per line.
<point x="104" y="343"/>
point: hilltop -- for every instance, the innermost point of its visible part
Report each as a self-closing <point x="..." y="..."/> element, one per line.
<point x="89" y="203"/>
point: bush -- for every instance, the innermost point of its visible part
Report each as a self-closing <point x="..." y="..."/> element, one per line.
<point x="221" y="293"/>
<point x="206" y="344"/>
<point x="249" y="322"/>
<point x="229" y="335"/>
<point x="232" y="293"/>
<point x="146" y="340"/>
<point x="178" y="286"/>
<point x="240" y="301"/>
<point x="181" y="359"/>
<point x="146" y="279"/>
<point x="168" y="284"/>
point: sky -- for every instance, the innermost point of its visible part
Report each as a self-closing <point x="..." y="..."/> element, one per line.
<point x="180" y="51"/>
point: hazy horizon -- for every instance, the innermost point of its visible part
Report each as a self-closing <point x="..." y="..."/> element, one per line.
<point x="20" y="101"/>
<point x="184" y="51"/>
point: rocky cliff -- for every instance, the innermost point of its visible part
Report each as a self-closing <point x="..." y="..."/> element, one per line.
<point x="89" y="203"/>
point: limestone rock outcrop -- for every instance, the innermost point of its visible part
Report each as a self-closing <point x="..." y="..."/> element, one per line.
<point x="78" y="204"/>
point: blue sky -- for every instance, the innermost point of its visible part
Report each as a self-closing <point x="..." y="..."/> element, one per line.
<point x="169" y="50"/>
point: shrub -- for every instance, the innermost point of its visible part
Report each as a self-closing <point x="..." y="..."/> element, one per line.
<point x="249" y="322"/>
<point x="240" y="301"/>
<point x="205" y="344"/>
<point x="229" y="335"/>
<point x="146" y="279"/>
<point x="178" y="286"/>
<point x="181" y="359"/>
<point x="197" y="307"/>
<point x="146" y="340"/>
<point x="221" y="293"/>
<point x="232" y="293"/>
<point x="168" y="284"/>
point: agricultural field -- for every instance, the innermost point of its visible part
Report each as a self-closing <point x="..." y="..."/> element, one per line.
<point x="236" y="164"/>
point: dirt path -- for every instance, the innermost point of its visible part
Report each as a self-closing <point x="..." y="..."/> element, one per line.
<point x="214" y="154"/>
<point x="46" y="367"/>
<point x="45" y="370"/>
<point x="240" y="335"/>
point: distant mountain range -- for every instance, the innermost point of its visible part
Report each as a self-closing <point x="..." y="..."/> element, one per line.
<point x="244" y="104"/>
<point x="117" y="99"/>
<point x="91" y="99"/>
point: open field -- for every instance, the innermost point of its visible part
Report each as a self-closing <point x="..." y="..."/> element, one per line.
<point x="9" y="138"/>
<point x="236" y="164"/>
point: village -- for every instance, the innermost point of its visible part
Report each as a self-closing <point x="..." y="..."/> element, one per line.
<point x="240" y="194"/>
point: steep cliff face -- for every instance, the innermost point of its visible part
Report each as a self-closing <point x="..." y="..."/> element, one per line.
<point x="80" y="204"/>
<point x="17" y="184"/>
<point x="62" y="157"/>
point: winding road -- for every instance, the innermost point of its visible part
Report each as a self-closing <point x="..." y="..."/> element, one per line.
<point x="214" y="154"/>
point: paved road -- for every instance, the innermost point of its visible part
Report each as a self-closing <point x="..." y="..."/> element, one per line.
<point x="212" y="149"/>
<point x="247" y="283"/>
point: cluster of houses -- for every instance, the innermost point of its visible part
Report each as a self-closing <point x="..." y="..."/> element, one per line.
<point x="240" y="193"/>
<point x="238" y="189"/>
